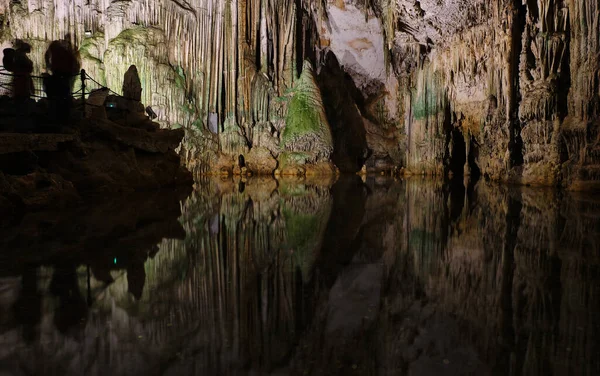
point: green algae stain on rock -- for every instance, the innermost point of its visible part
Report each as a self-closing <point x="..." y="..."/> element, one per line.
<point x="428" y="97"/>
<point x="91" y="54"/>
<point x="306" y="127"/>
<point x="164" y="85"/>
<point x="294" y="158"/>
<point x="306" y="210"/>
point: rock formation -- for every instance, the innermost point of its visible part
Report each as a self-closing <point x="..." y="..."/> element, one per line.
<point x="468" y="87"/>
<point x="306" y="137"/>
<point x="122" y="151"/>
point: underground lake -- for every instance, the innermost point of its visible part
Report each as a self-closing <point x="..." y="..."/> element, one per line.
<point x="300" y="187"/>
<point x="354" y="275"/>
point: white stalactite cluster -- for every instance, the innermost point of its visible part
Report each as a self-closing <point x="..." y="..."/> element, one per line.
<point x="207" y="65"/>
<point x="214" y="43"/>
<point x="520" y="81"/>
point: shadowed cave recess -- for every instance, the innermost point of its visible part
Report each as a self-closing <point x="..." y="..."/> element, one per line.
<point x="304" y="187"/>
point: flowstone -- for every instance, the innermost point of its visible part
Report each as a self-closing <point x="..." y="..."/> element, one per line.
<point x="306" y="138"/>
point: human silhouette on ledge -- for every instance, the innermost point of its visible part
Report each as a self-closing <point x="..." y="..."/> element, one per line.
<point x="132" y="86"/>
<point x="136" y="278"/>
<point x="8" y="59"/>
<point x="27" y="308"/>
<point x="22" y="67"/>
<point x="16" y="61"/>
<point x="62" y="59"/>
<point x="72" y="307"/>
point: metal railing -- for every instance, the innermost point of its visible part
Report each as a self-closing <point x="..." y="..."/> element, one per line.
<point x="84" y="83"/>
<point x="7" y="84"/>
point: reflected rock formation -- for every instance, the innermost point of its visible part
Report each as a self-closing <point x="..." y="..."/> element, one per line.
<point x="357" y="277"/>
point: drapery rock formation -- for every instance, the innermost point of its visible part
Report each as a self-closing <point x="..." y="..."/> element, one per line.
<point x="501" y="88"/>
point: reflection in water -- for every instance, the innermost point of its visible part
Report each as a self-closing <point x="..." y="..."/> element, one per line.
<point x="27" y="309"/>
<point x="381" y="277"/>
<point x="72" y="307"/>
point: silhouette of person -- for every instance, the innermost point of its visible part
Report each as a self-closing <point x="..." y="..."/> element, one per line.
<point x="28" y="306"/>
<point x="132" y="86"/>
<point x="62" y="59"/>
<point x="8" y="59"/>
<point x="72" y="305"/>
<point x="22" y="67"/>
<point x="136" y="278"/>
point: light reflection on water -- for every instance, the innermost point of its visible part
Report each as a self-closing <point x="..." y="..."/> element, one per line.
<point x="381" y="277"/>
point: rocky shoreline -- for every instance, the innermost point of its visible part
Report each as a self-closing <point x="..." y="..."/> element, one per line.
<point x="95" y="156"/>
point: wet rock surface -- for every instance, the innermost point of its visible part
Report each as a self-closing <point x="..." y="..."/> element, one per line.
<point x="299" y="276"/>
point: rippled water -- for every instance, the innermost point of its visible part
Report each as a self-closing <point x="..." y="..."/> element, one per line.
<point x="373" y="277"/>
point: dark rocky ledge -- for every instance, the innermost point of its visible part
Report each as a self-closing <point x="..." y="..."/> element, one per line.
<point x="97" y="156"/>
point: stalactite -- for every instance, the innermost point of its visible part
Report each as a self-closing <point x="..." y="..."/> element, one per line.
<point x="209" y="54"/>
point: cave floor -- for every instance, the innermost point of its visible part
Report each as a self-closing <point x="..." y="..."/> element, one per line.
<point x="365" y="276"/>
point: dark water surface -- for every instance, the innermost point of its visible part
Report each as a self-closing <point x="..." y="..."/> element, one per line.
<point x="374" y="277"/>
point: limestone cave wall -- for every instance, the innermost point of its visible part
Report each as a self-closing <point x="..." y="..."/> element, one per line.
<point x="220" y="69"/>
<point x="502" y="88"/>
<point x="505" y="89"/>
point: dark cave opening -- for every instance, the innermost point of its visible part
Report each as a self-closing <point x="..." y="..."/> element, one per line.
<point x="341" y="99"/>
<point x="472" y="159"/>
<point x="458" y="153"/>
<point x="306" y="38"/>
<point x="515" y="144"/>
<point x="19" y="164"/>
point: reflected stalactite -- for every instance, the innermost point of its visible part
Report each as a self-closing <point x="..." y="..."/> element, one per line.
<point x="248" y="255"/>
<point x="27" y="308"/>
<point x="502" y="283"/>
<point x="510" y="279"/>
<point x="373" y="276"/>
